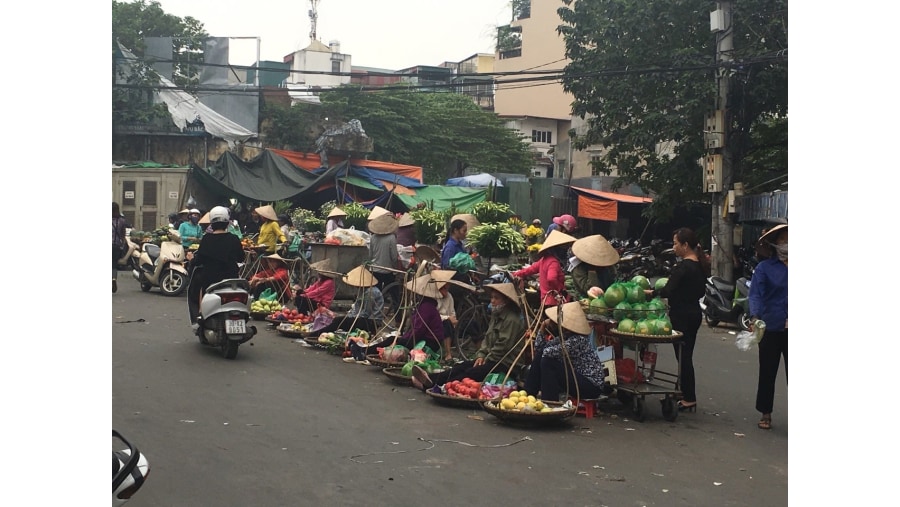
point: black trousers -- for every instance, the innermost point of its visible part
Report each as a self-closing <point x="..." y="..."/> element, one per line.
<point x="688" y="325"/>
<point x="773" y="345"/>
<point x="549" y="376"/>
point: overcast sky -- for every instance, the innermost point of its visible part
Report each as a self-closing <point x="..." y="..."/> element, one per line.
<point x="392" y="34"/>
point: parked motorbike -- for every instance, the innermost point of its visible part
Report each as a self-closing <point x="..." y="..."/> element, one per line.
<point x="162" y="266"/>
<point x="727" y="302"/>
<point x="130" y="470"/>
<point x="224" y="313"/>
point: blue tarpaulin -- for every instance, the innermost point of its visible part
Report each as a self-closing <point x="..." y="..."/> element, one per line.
<point x="475" y="180"/>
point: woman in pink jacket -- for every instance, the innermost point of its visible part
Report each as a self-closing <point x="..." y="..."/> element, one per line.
<point x="321" y="291"/>
<point x="549" y="267"/>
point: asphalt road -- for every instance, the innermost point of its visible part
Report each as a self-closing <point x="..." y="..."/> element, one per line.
<point x="285" y="424"/>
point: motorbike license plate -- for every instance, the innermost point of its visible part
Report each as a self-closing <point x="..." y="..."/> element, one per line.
<point x="235" y="327"/>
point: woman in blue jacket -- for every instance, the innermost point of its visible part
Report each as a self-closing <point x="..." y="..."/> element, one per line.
<point x="769" y="303"/>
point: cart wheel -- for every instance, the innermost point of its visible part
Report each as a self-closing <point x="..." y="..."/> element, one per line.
<point x="669" y="409"/>
<point x="637" y="406"/>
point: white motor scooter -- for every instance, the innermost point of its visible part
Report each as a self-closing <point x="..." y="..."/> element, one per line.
<point x="162" y="266"/>
<point x="224" y="314"/>
<point x="130" y="470"/>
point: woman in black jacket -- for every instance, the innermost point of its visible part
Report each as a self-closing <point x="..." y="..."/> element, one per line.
<point x="684" y="289"/>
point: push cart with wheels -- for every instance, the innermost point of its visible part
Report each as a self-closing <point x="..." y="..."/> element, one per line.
<point x="655" y="382"/>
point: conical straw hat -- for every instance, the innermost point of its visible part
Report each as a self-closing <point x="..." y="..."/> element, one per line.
<point x="468" y="218"/>
<point x="595" y="250"/>
<point x="572" y="316"/>
<point x="325" y="267"/>
<point x="772" y="233"/>
<point x="275" y="257"/>
<point x="267" y="212"/>
<point x="337" y="212"/>
<point x="446" y="275"/>
<point x="385" y="224"/>
<point x="204" y="219"/>
<point x="378" y="211"/>
<point x="556" y="238"/>
<point x="508" y="290"/>
<point x="406" y="220"/>
<point x="359" y="277"/>
<point x="426" y="253"/>
<point x="425" y="286"/>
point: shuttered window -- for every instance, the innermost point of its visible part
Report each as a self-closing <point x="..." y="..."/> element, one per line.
<point x="150" y="193"/>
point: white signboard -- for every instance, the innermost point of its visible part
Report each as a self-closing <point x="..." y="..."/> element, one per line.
<point x="129" y="194"/>
<point x="173" y="195"/>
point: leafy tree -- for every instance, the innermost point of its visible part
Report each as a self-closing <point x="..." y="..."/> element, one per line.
<point x="619" y="52"/>
<point x="445" y="133"/>
<point x="131" y="22"/>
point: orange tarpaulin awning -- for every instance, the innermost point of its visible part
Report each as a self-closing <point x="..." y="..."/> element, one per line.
<point x="601" y="205"/>
<point x="311" y="162"/>
<point x="598" y="209"/>
<point x="614" y="196"/>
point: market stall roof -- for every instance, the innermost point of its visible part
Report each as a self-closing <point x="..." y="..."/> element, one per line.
<point x="444" y="198"/>
<point x="267" y="178"/>
<point x="475" y="180"/>
<point x="312" y="162"/>
<point x="600" y="205"/>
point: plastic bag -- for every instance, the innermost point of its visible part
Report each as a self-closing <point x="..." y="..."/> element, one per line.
<point x="747" y="339"/>
<point x="350" y="237"/>
<point x="268" y="295"/>
<point x="394" y="353"/>
<point x="462" y="263"/>
<point x="492" y="391"/>
<point x="321" y="321"/>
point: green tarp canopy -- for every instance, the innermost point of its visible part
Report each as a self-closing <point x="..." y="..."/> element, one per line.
<point x="266" y="178"/>
<point x="444" y="197"/>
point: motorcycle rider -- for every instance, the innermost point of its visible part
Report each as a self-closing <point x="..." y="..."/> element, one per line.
<point x="216" y="259"/>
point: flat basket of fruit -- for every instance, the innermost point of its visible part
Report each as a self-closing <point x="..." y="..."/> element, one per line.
<point x="378" y="361"/>
<point x="289" y="330"/>
<point x="396" y="377"/>
<point x="520" y="408"/>
<point x="461" y="399"/>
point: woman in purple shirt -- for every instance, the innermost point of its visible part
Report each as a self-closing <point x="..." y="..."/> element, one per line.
<point x="769" y="303"/>
<point x="426" y="320"/>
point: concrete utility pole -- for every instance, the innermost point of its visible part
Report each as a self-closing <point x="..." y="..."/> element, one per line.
<point x="719" y="164"/>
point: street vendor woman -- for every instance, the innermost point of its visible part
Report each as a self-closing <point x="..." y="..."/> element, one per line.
<point x="321" y="291"/>
<point x="426" y="319"/>
<point x="367" y="312"/>
<point x="549" y="267"/>
<point x="273" y="275"/>
<point x="499" y="347"/>
<point x="581" y="373"/>
<point x="592" y="264"/>
<point x="270" y="233"/>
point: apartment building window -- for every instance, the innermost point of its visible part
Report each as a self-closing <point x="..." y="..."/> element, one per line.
<point x="542" y="136"/>
<point x="335" y="66"/>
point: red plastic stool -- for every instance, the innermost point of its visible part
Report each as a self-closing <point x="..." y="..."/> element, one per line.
<point x="585" y="407"/>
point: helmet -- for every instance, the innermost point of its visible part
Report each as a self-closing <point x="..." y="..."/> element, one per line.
<point x="194" y="210"/>
<point x="218" y="214"/>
